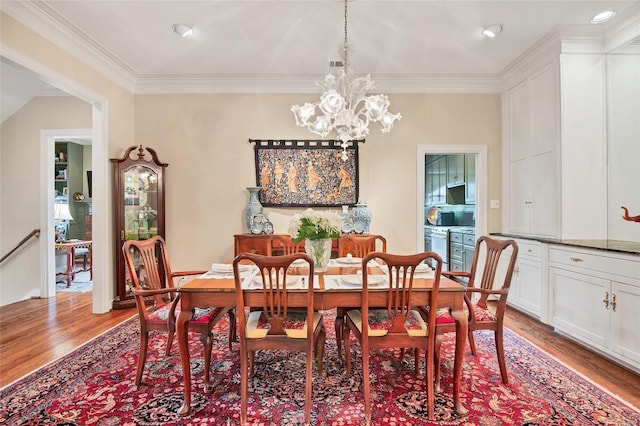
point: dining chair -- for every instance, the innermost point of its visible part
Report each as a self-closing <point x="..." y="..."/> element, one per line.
<point x="152" y="282"/>
<point x="400" y="324"/>
<point x="490" y="276"/>
<point x="283" y="244"/>
<point x="275" y="326"/>
<point x="356" y="245"/>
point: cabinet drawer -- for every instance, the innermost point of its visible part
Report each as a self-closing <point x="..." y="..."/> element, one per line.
<point x="456" y="251"/>
<point x="456" y="266"/>
<point x="455" y="237"/>
<point x="529" y="249"/>
<point x="469" y="240"/>
<point x="627" y="266"/>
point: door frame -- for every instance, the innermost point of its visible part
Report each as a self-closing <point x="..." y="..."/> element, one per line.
<point x="481" y="184"/>
<point x="102" y="290"/>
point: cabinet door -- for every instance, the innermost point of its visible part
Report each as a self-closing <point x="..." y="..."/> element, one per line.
<point x="520" y="121"/>
<point x="526" y="286"/>
<point x="543" y="202"/>
<point x="470" y="178"/>
<point x="519" y="211"/>
<point x="578" y="307"/>
<point x="441" y="189"/>
<point x="625" y="317"/>
<point x="455" y="169"/>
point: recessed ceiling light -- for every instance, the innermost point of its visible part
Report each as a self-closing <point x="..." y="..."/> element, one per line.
<point x="182" y="30"/>
<point x="603" y="17"/>
<point x="492" y="30"/>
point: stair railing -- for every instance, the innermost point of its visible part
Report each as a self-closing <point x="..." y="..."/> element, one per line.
<point x="34" y="233"/>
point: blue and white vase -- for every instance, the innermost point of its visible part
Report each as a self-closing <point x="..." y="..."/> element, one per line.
<point x="347" y="223"/>
<point x="361" y="218"/>
<point x="253" y="206"/>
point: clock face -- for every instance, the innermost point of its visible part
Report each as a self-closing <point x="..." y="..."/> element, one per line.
<point x="267" y="227"/>
<point x="256" y="228"/>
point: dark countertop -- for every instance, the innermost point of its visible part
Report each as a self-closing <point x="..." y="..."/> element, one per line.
<point x="628" y="247"/>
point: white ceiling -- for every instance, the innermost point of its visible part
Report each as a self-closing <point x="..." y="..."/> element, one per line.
<point x="286" y="45"/>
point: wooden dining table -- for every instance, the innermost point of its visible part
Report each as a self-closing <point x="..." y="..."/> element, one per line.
<point x="203" y="292"/>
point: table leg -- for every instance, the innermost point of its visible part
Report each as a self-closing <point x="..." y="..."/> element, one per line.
<point x="462" y="328"/>
<point x="91" y="262"/>
<point x="70" y="261"/>
<point x="183" y="344"/>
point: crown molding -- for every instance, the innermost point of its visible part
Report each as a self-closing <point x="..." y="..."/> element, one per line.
<point x="626" y="31"/>
<point x="257" y="83"/>
<point x="41" y="19"/>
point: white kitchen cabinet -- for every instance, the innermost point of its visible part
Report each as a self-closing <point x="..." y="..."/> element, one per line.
<point x="528" y="284"/>
<point x="595" y="298"/>
<point x="532" y="115"/>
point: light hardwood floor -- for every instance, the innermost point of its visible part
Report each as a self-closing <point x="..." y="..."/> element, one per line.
<point x="37" y="331"/>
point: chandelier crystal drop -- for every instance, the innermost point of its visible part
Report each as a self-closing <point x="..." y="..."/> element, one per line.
<point x="344" y="106"/>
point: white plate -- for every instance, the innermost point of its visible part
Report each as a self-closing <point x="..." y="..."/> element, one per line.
<point x="224" y="268"/>
<point x="356" y="281"/>
<point x="299" y="262"/>
<point x="349" y="260"/>
<point x="423" y="267"/>
<point x="291" y="280"/>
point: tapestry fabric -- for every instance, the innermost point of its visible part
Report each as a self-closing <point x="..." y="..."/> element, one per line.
<point x="94" y="385"/>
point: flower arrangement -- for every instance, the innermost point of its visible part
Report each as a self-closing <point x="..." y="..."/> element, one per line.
<point x="315" y="225"/>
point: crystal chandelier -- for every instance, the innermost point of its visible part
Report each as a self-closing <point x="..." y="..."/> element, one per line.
<point x="345" y="106"/>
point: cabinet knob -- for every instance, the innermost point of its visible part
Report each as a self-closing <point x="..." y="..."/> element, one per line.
<point x="613" y="302"/>
<point x="576" y="259"/>
<point x="606" y="300"/>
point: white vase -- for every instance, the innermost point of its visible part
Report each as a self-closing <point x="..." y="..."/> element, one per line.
<point x="320" y="252"/>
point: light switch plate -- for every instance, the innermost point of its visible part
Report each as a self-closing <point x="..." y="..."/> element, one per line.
<point x="494" y="204"/>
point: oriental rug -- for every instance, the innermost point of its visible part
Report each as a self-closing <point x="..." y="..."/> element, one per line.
<point x="93" y="385"/>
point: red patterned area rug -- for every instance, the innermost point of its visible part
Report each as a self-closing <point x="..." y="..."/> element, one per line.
<point x="93" y="385"/>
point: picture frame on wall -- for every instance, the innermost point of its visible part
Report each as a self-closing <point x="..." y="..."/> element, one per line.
<point x="306" y="173"/>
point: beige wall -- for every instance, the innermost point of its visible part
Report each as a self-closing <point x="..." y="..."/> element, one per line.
<point x="204" y="138"/>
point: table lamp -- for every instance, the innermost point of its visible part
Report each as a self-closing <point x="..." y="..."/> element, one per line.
<point x="61" y="214"/>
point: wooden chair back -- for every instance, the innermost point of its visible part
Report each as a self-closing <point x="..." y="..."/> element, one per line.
<point x="283" y="244"/>
<point x="148" y="268"/>
<point x="152" y="280"/>
<point x="488" y="268"/>
<point x="400" y="312"/>
<point x="361" y="245"/>
<point x="276" y="315"/>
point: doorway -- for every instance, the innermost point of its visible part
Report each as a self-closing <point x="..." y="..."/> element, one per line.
<point x="72" y="179"/>
<point x="424" y="203"/>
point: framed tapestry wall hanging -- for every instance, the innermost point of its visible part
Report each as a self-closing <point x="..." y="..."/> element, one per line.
<point x="306" y="173"/>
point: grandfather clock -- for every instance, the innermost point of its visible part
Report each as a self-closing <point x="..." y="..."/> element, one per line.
<point x="139" y="209"/>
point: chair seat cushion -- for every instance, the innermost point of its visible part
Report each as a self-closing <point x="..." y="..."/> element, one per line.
<point x="200" y="315"/>
<point x="481" y="315"/>
<point x="295" y="326"/>
<point x="380" y="323"/>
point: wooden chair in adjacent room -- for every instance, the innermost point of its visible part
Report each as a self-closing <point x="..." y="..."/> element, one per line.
<point x="153" y="282"/>
<point x="356" y="245"/>
<point x="283" y="244"/>
<point x="400" y="324"/>
<point x="275" y="326"/>
<point x="491" y="270"/>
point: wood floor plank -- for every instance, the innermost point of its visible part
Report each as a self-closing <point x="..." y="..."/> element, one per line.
<point x="37" y="331"/>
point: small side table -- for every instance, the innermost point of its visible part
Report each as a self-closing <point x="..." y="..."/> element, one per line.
<point x="70" y="248"/>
